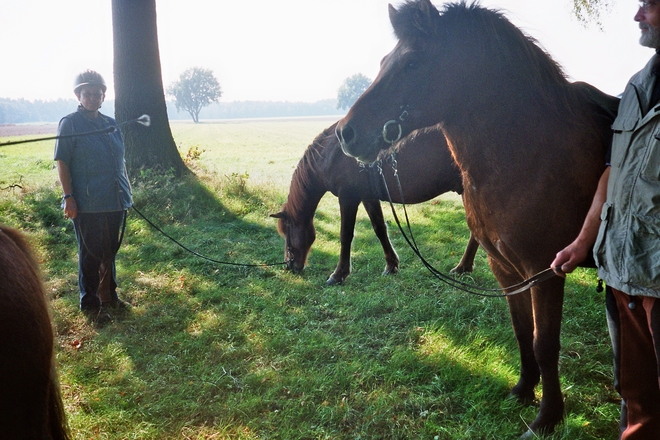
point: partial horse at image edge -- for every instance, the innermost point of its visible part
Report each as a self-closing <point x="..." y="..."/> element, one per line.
<point x="30" y="400"/>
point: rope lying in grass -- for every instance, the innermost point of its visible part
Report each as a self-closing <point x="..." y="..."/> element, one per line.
<point x="146" y="121"/>
<point x="200" y="255"/>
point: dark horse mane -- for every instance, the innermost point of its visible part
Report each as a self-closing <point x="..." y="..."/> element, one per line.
<point x="495" y="39"/>
<point x="302" y="181"/>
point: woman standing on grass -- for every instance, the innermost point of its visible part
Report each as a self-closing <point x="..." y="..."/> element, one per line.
<point x="97" y="194"/>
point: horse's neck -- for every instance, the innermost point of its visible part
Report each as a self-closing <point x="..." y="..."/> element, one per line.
<point x="488" y="145"/>
<point x="305" y="192"/>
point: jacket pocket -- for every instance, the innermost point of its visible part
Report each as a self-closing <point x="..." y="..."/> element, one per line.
<point x="651" y="168"/>
<point x="624" y="123"/>
<point x="643" y="252"/>
<point x="623" y="128"/>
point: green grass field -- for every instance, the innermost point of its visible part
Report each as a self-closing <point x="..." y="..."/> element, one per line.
<point x="219" y="352"/>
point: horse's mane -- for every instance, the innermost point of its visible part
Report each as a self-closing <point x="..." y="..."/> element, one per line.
<point x="304" y="178"/>
<point x="486" y="33"/>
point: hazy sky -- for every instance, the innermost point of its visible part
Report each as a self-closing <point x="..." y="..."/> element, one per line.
<point x="293" y="50"/>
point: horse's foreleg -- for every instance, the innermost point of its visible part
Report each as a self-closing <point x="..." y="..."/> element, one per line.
<point x="467" y="261"/>
<point x="547" y="301"/>
<point x="348" y="209"/>
<point x="375" y="213"/>
<point x="522" y="320"/>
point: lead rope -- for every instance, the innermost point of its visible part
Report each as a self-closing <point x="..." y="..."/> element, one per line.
<point x="204" y="257"/>
<point x="465" y="287"/>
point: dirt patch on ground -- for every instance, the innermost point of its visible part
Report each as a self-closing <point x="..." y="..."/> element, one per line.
<point x="8" y="130"/>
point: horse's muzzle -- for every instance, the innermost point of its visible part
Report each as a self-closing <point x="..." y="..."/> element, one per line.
<point x="351" y="147"/>
<point x="294" y="268"/>
<point x="345" y="134"/>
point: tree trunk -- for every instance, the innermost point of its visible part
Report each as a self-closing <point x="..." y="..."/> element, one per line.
<point x="139" y="88"/>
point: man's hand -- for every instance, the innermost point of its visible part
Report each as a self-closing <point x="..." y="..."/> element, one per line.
<point x="569" y="258"/>
<point x="70" y="207"/>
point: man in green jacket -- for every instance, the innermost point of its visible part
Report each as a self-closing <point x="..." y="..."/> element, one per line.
<point x="623" y="226"/>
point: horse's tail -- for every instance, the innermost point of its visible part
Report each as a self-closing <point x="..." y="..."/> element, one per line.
<point x="59" y="430"/>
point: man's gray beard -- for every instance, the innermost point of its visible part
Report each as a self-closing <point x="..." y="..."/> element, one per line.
<point x="651" y="38"/>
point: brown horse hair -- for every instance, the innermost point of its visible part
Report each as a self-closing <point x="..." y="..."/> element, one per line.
<point x="530" y="166"/>
<point x="531" y="147"/>
<point x="302" y="181"/>
<point x="511" y="46"/>
<point x="29" y="410"/>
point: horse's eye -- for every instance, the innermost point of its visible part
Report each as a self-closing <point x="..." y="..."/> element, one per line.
<point x="412" y="65"/>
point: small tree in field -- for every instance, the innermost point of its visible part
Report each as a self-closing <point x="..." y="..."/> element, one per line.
<point x="195" y="89"/>
<point x="351" y="89"/>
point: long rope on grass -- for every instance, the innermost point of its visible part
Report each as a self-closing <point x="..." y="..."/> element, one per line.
<point x="465" y="287"/>
<point x="229" y="263"/>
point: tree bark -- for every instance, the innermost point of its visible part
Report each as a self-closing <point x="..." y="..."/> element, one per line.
<point x="139" y="88"/>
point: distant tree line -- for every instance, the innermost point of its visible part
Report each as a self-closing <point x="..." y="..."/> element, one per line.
<point x="17" y="111"/>
<point x="260" y="109"/>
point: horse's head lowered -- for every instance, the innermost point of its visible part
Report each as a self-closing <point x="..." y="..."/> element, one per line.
<point x="298" y="240"/>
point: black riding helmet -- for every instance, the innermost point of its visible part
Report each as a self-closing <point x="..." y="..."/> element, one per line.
<point x="89" y="77"/>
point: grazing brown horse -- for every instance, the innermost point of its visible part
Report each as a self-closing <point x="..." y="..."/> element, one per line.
<point x="30" y="402"/>
<point x="425" y="169"/>
<point x="530" y="146"/>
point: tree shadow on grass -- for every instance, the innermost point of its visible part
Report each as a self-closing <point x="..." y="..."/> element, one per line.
<point x="260" y="351"/>
<point x="39" y="213"/>
<point x="333" y="364"/>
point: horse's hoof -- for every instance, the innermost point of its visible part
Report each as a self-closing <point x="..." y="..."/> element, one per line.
<point x="333" y="282"/>
<point x="529" y="435"/>
<point x="461" y="269"/>
<point x="522" y="400"/>
<point x="391" y="271"/>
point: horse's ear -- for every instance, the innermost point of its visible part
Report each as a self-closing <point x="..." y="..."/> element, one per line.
<point x="398" y="21"/>
<point x="280" y="214"/>
<point x="413" y="18"/>
<point x="423" y="17"/>
<point x="393" y="13"/>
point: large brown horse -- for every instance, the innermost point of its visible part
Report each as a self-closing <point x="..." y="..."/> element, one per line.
<point x="425" y="169"/>
<point x="30" y="402"/>
<point x="530" y="146"/>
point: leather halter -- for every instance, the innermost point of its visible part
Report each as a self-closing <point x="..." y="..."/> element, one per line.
<point x="398" y="121"/>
